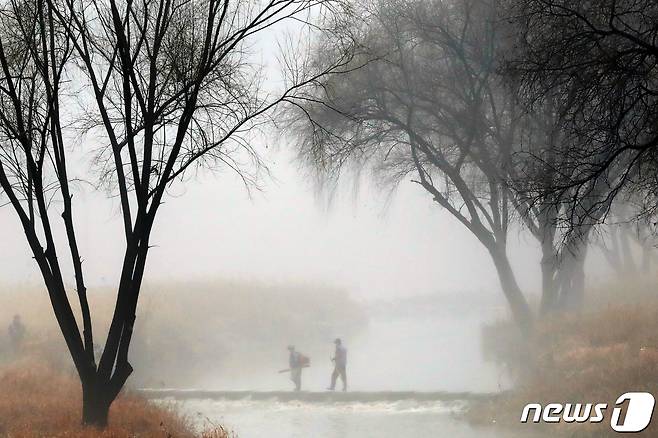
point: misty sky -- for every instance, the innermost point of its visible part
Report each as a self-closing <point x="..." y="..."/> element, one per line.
<point x="210" y="228"/>
<point x="368" y="243"/>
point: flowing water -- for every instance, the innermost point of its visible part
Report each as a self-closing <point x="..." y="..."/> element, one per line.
<point x="276" y="419"/>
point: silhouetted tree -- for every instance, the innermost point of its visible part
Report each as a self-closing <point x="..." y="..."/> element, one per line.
<point x="166" y="86"/>
<point x="621" y="235"/>
<point x="423" y="100"/>
<point x="603" y="55"/>
<point x="538" y="165"/>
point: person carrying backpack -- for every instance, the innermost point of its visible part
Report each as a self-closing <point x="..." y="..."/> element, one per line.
<point x="297" y="361"/>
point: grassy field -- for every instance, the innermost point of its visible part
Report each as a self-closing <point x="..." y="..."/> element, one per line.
<point x="39" y="401"/>
<point x="594" y="357"/>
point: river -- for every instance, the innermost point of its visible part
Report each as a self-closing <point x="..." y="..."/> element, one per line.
<point x="276" y="419"/>
<point x="394" y="354"/>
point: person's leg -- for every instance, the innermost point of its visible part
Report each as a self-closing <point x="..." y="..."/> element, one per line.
<point x="343" y="377"/>
<point x="296" y="377"/>
<point x="334" y="376"/>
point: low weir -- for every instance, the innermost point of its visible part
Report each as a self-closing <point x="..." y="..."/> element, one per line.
<point x="321" y="397"/>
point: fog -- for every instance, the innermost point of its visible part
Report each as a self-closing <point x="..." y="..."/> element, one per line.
<point x="371" y="242"/>
<point x="375" y="240"/>
<point x="383" y="247"/>
<point x="249" y="200"/>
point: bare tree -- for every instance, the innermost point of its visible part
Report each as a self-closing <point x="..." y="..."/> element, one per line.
<point x="623" y="235"/>
<point x="603" y="54"/>
<point x="539" y="164"/>
<point x="167" y="86"/>
<point x="426" y="103"/>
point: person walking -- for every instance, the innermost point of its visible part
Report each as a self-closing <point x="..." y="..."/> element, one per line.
<point x="340" y="364"/>
<point x="296" y="361"/>
<point x="16" y="332"/>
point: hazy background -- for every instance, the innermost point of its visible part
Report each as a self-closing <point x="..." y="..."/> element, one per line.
<point x="371" y="244"/>
<point x="234" y="277"/>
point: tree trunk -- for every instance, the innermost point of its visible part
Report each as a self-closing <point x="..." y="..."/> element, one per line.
<point x="549" y="289"/>
<point x="518" y="304"/>
<point x="95" y="406"/>
<point x="647" y="256"/>
<point x="573" y="290"/>
<point x="572" y="279"/>
<point x="627" y="254"/>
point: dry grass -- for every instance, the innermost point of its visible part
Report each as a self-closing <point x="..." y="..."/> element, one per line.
<point x="37" y="401"/>
<point x="174" y="320"/>
<point x="589" y="358"/>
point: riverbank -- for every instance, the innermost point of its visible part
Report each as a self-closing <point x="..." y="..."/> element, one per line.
<point x="593" y="357"/>
<point x="38" y="401"/>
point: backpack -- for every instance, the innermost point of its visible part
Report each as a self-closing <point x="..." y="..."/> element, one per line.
<point x="303" y="361"/>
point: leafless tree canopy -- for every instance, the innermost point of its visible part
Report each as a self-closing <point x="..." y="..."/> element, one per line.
<point x="536" y="109"/>
<point x="600" y="57"/>
<point x="425" y="104"/>
<point x="160" y="87"/>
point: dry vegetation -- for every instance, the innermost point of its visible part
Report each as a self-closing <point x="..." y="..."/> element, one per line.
<point x="178" y="325"/>
<point x="591" y="358"/>
<point x="186" y="331"/>
<point x="38" y="401"/>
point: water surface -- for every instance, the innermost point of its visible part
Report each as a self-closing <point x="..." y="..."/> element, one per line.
<point x="297" y="419"/>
